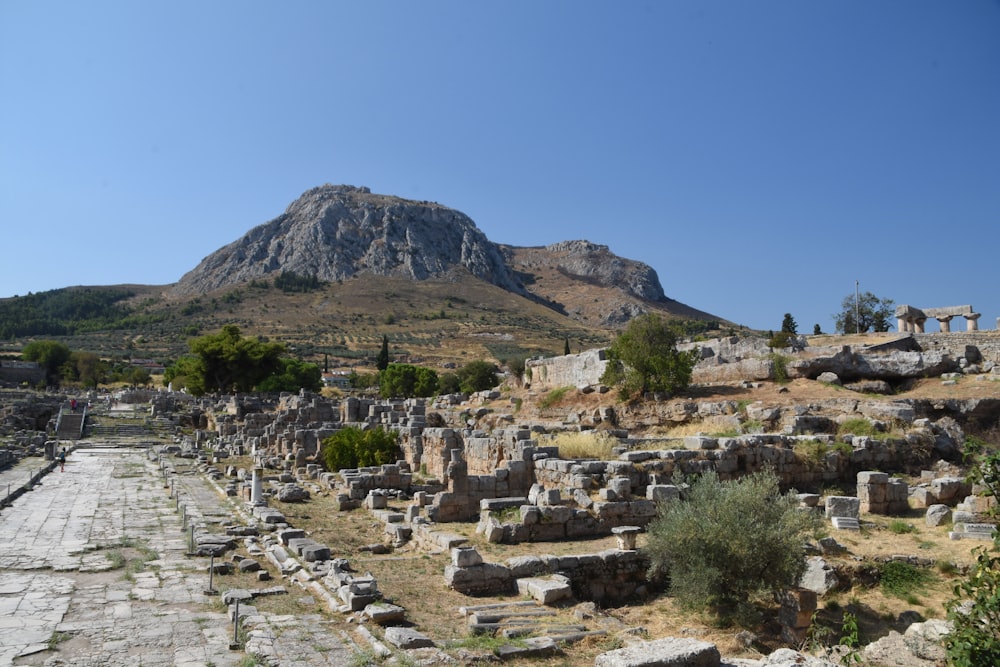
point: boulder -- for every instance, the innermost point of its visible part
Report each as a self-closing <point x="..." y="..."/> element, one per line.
<point x="938" y="515"/>
<point x="292" y="493"/>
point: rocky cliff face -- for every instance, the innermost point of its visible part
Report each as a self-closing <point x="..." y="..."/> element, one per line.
<point x="590" y="283"/>
<point x="334" y="232"/>
<point x="596" y="264"/>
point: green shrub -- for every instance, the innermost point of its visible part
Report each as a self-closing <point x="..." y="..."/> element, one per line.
<point x="780" y="363"/>
<point x="975" y="609"/>
<point x="900" y="527"/>
<point x="781" y="340"/>
<point x="729" y="542"/>
<point x="353" y="448"/>
<point x="902" y="579"/>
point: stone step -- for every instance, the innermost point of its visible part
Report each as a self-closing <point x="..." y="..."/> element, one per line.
<point x="845" y="523"/>
<point x="973" y="531"/>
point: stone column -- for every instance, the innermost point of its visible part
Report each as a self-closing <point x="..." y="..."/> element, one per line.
<point x="972" y="321"/>
<point x="918" y="324"/>
<point x="256" y="488"/>
<point x="902" y="326"/>
<point x="945" y="322"/>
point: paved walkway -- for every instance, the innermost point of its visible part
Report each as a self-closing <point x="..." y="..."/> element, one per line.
<point x="67" y="599"/>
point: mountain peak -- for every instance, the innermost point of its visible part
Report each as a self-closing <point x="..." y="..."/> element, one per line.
<point x="334" y="232"/>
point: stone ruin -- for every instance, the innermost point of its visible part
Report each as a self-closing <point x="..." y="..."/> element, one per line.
<point x="464" y="459"/>
<point x="911" y="320"/>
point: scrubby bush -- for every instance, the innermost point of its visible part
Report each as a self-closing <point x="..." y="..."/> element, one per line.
<point x="729" y="542"/>
<point x="781" y="340"/>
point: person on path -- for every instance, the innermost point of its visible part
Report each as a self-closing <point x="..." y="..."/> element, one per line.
<point x="62" y="460"/>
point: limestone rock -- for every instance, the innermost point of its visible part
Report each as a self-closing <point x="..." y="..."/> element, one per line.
<point x="819" y="576"/>
<point x="293" y="493"/>
<point x="407" y="638"/>
<point x="333" y="232"/>
<point x="667" y="652"/>
<point x="938" y="515"/>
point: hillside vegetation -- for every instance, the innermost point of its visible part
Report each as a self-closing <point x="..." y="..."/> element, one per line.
<point x="428" y="322"/>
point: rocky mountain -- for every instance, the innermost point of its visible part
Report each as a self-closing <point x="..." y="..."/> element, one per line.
<point x="589" y="282"/>
<point x="335" y="232"/>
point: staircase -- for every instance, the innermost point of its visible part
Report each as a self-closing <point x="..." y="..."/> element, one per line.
<point x="70" y="425"/>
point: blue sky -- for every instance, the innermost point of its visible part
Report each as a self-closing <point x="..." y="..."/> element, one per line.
<point x="760" y="156"/>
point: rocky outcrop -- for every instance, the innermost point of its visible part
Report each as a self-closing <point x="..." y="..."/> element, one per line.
<point x="596" y="264"/>
<point x="616" y="289"/>
<point x="334" y="232"/>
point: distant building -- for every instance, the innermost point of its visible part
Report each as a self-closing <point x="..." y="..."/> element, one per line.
<point x="336" y="380"/>
<point x="16" y="372"/>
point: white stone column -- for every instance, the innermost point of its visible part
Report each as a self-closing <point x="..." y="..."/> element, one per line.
<point x="918" y="324"/>
<point x="945" y="322"/>
<point x="972" y="321"/>
<point x="902" y="325"/>
<point x="256" y="488"/>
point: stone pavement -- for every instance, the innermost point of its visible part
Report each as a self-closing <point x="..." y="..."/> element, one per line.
<point x="70" y="595"/>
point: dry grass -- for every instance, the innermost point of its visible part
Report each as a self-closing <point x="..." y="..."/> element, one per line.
<point x="414" y="580"/>
<point x="582" y="444"/>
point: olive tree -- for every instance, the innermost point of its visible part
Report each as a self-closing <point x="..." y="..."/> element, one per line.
<point x="728" y="542"/>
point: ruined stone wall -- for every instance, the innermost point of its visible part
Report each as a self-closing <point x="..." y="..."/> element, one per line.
<point x="21" y="372"/>
<point x="609" y="577"/>
<point x="801" y="462"/>
<point x="957" y="344"/>
<point x="571" y="370"/>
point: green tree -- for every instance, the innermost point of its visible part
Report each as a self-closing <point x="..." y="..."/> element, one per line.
<point x="50" y="354"/>
<point x="353" y="448"/>
<point x="185" y="373"/>
<point x="864" y="312"/>
<point x="293" y="376"/>
<point x="975" y="610"/>
<point x="728" y="543"/>
<point x="407" y="381"/>
<point x="363" y="380"/>
<point x="382" y="360"/>
<point x="477" y="376"/>
<point x="816" y="330"/>
<point x="138" y="376"/>
<point x="229" y="362"/>
<point x="90" y="369"/>
<point x="788" y="325"/>
<point x="449" y="383"/>
<point x="645" y="358"/>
